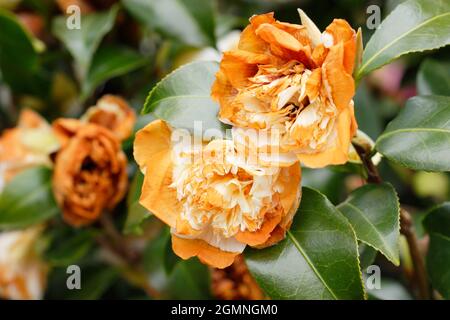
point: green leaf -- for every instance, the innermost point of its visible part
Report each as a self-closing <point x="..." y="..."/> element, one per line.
<point x="183" y="97"/>
<point x="434" y="78"/>
<point x="82" y="43"/>
<point x="136" y="214"/>
<point x="419" y="137"/>
<point x="18" y="58"/>
<point x="415" y="25"/>
<point x="374" y="212"/>
<point x="172" y="277"/>
<point x="437" y="223"/>
<point x="27" y="199"/>
<point x="189" y="21"/>
<point x="367" y="255"/>
<point x="110" y="62"/>
<point x="367" y="112"/>
<point x="317" y="260"/>
<point x="94" y="283"/>
<point x="69" y="247"/>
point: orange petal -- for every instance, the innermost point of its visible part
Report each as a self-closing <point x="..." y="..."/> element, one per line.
<point x="313" y="84"/>
<point x="259" y="19"/>
<point x="188" y="248"/>
<point x="150" y="140"/>
<point x="291" y="188"/>
<point x="30" y="119"/>
<point x="273" y="35"/>
<point x="343" y="32"/>
<point x="250" y="42"/>
<point x="338" y="153"/>
<point x="236" y="70"/>
<point x="65" y="128"/>
<point x="157" y="196"/>
<point x="340" y="83"/>
<point x="255" y="238"/>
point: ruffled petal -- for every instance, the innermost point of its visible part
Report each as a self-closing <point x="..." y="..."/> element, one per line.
<point x="188" y="248"/>
<point x="337" y="153"/>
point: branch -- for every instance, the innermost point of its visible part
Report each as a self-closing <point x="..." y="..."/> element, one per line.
<point x="406" y="226"/>
<point x="127" y="258"/>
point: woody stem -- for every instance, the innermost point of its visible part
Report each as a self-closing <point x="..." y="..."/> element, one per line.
<point x="116" y="244"/>
<point x="406" y="226"/>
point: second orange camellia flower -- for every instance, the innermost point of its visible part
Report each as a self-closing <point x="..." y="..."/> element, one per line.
<point x="294" y="83"/>
<point x="215" y="202"/>
<point x="90" y="168"/>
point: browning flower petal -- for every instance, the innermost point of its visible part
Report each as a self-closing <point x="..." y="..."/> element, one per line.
<point x="285" y="78"/>
<point x="90" y="171"/>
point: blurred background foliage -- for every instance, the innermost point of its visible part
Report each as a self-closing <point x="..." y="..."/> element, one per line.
<point x="124" y="48"/>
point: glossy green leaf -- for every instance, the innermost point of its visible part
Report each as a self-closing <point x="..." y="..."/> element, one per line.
<point x="27" y="199"/>
<point x="374" y="212"/>
<point x="183" y="98"/>
<point x="110" y="62"/>
<point x="317" y="260"/>
<point x="136" y="214"/>
<point x="367" y="255"/>
<point x="415" y="25"/>
<point x="172" y="277"/>
<point x="82" y="43"/>
<point x="419" y="137"/>
<point x="189" y="21"/>
<point x="69" y="247"/>
<point x="437" y="223"/>
<point x="434" y="78"/>
<point x="18" y="58"/>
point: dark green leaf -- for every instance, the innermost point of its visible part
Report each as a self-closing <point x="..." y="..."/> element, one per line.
<point x="172" y="277"/>
<point x="110" y="62"/>
<point x="27" y="199"/>
<point x="415" y="25"/>
<point x="18" y="58"/>
<point x="437" y="223"/>
<point x="94" y="282"/>
<point x="82" y="43"/>
<point x="419" y="137"/>
<point x="367" y="256"/>
<point x="184" y="97"/>
<point x="137" y="214"/>
<point x="69" y="248"/>
<point x="374" y="212"/>
<point x="434" y="78"/>
<point x="189" y="21"/>
<point x="367" y="112"/>
<point x="317" y="260"/>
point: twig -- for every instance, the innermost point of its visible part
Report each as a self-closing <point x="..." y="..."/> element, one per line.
<point x="115" y="244"/>
<point x="406" y="226"/>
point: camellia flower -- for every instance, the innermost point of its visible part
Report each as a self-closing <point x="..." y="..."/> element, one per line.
<point x="23" y="274"/>
<point x="214" y="201"/>
<point x="114" y="113"/>
<point x="294" y="82"/>
<point x="90" y="171"/>
<point x="27" y="145"/>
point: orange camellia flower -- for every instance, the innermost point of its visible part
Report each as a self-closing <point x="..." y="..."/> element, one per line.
<point x="114" y="113"/>
<point x="294" y="82"/>
<point x="90" y="171"/>
<point x="215" y="202"/>
<point x="22" y="273"/>
<point x="27" y="145"/>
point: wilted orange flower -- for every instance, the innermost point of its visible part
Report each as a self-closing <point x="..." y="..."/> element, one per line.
<point x="90" y="171"/>
<point x="295" y="81"/>
<point x="23" y="275"/>
<point x="214" y="202"/>
<point x="114" y="113"/>
<point x="28" y="144"/>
